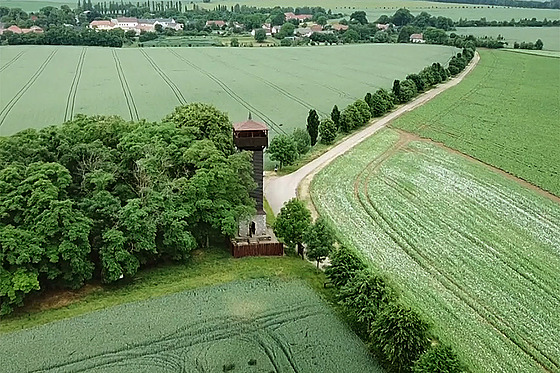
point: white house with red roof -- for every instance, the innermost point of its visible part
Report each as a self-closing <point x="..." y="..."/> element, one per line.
<point x="217" y="23"/>
<point x="417" y="38"/>
<point x="102" y="25"/>
<point x="17" y="30"/>
<point x="125" y="23"/>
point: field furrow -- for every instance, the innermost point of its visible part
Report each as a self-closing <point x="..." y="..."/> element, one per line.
<point x="71" y="100"/>
<point x="501" y="116"/>
<point x="176" y="91"/>
<point x="132" y="109"/>
<point x="275" y="127"/>
<point x="10" y="105"/>
<point x="12" y="60"/>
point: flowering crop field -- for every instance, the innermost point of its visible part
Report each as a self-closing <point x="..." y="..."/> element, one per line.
<point x="44" y="85"/>
<point x="474" y="251"/>
<point x="245" y="326"/>
<point x="505" y="113"/>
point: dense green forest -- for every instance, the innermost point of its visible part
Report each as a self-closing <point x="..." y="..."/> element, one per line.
<point x="98" y="197"/>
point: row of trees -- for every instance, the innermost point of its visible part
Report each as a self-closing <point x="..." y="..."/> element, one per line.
<point x="524" y="22"/>
<point x="293" y="226"/>
<point x="399" y="337"/>
<point x="62" y="35"/>
<point x="547" y="4"/>
<point x="538" y="45"/>
<point x="100" y="197"/>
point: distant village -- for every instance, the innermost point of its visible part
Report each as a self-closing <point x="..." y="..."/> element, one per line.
<point x="139" y="25"/>
<point x="143" y="26"/>
<point x="136" y="24"/>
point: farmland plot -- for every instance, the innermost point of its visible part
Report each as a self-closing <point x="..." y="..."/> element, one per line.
<point x="550" y="36"/>
<point x="278" y="85"/>
<point x="505" y="113"/>
<point x="249" y="326"/>
<point x="476" y="253"/>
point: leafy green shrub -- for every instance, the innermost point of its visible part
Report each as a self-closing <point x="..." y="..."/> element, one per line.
<point x="399" y="336"/>
<point x="344" y="265"/>
<point x="440" y="359"/>
<point x="302" y="140"/>
<point x="365" y="294"/>
<point x="327" y="130"/>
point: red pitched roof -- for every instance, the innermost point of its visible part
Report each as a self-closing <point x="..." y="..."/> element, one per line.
<point x="217" y="23"/>
<point x="101" y="23"/>
<point x="249" y="125"/>
<point x="339" y="27"/>
<point x="14" y="29"/>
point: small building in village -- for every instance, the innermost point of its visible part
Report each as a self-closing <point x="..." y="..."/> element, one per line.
<point x="417" y="38"/>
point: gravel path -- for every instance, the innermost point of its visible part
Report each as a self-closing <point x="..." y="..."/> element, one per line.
<point x="280" y="189"/>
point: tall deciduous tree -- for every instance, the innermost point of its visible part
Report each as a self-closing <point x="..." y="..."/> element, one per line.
<point x="260" y="35"/>
<point x="327" y="130"/>
<point x="402" y="17"/>
<point x="359" y="16"/>
<point x="283" y="149"/>
<point x="302" y="140"/>
<point x="319" y="239"/>
<point x="313" y="126"/>
<point x="205" y="122"/>
<point x="291" y="224"/>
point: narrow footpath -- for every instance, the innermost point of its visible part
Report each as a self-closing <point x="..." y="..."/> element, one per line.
<point x="280" y="189"/>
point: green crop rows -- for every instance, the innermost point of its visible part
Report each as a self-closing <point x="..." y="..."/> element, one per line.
<point x="504" y="113"/>
<point x="476" y="253"/>
<point x="46" y="85"/>
<point x="244" y="326"/>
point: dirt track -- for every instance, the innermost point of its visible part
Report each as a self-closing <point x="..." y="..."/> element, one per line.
<point x="279" y="190"/>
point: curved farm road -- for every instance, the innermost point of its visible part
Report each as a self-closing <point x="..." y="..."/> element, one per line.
<point x="279" y="190"/>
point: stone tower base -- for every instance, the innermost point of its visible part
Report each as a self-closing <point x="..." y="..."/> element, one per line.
<point x="254" y="227"/>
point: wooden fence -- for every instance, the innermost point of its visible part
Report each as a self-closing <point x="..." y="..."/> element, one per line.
<point x="243" y="248"/>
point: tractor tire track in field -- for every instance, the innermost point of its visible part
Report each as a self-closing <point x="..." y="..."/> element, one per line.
<point x="274" y="126"/>
<point x="16" y="57"/>
<point x="71" y="99"/>
<point x="133" y="111"/>
<point x="9" y="106"/>
<point x="176" y="91"/>
<point x="453" y="106"/>
<point x="338" y="91"/>
<point x="504" y="328"/>
<point x="260" y="327"/>
<point x="279" y="89"/>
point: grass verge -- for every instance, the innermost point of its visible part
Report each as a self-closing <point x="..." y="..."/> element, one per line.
<point x="270" y="218"/>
